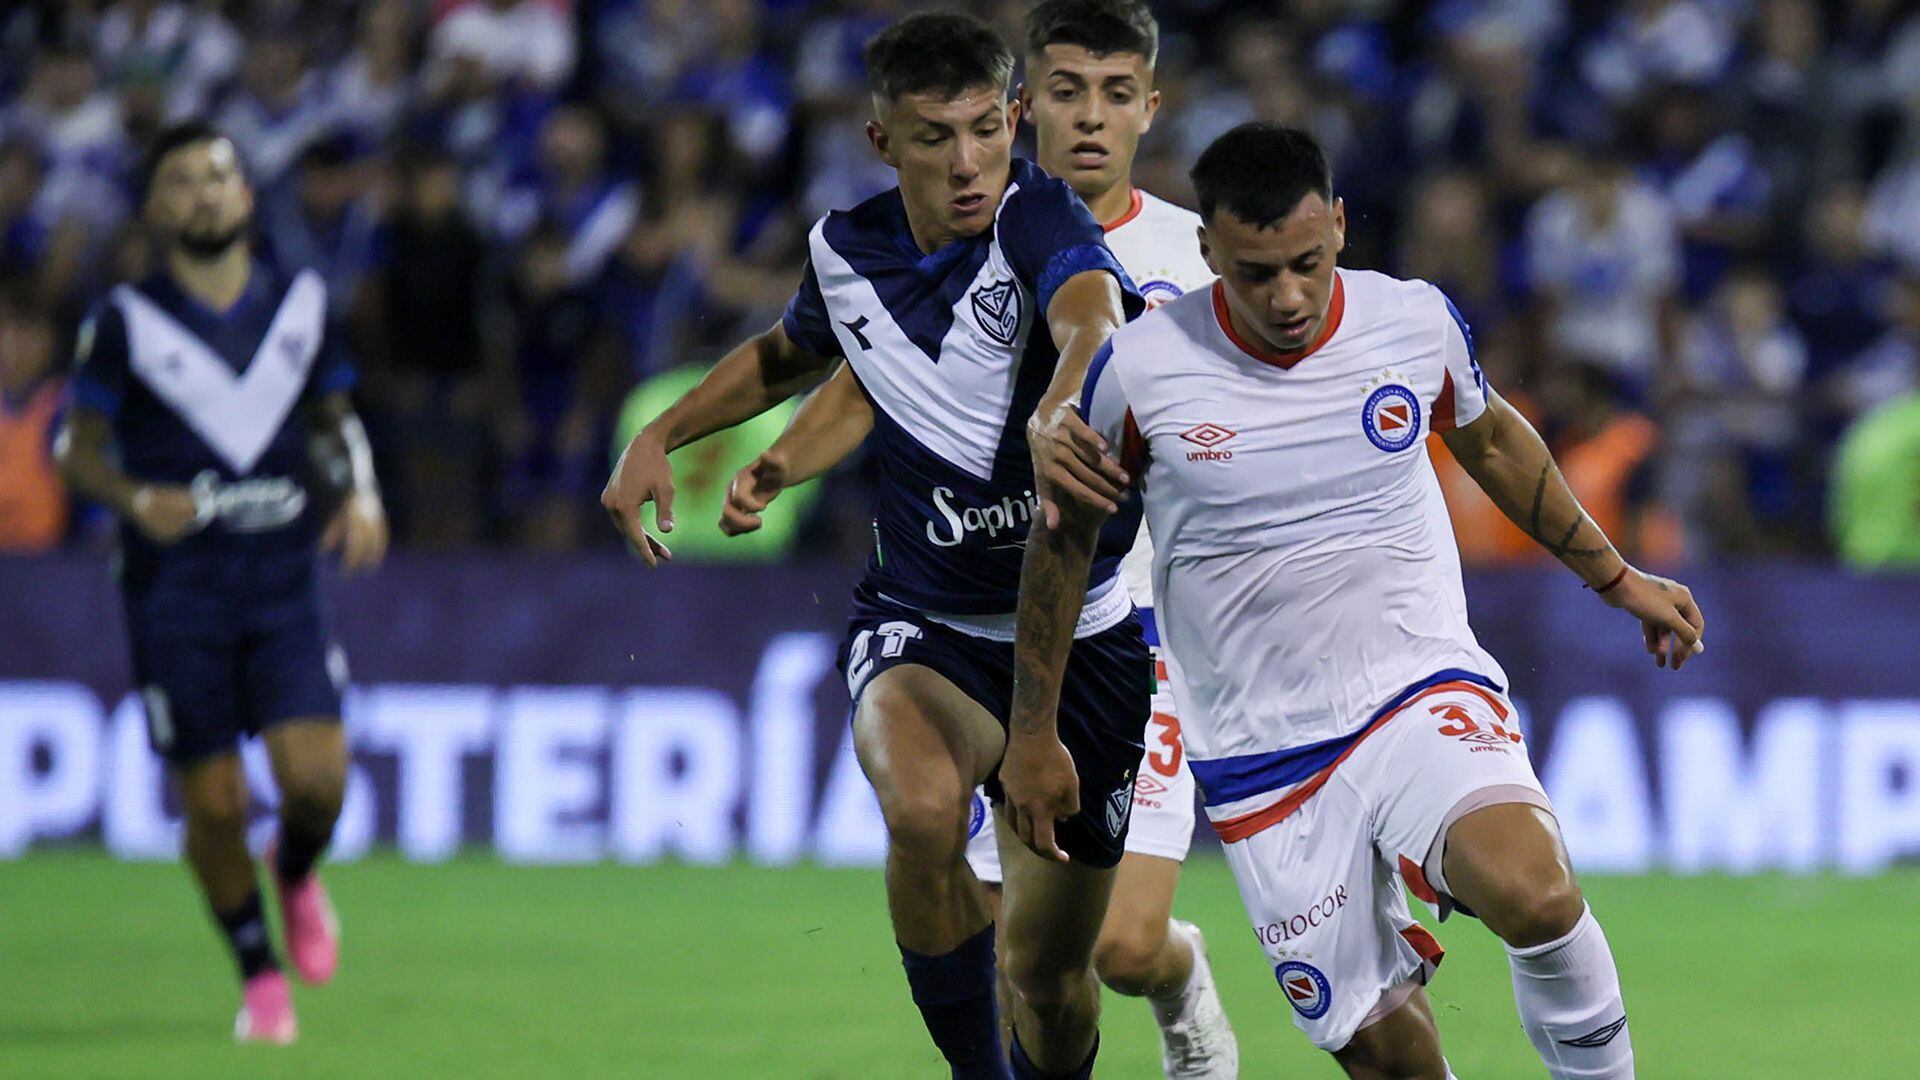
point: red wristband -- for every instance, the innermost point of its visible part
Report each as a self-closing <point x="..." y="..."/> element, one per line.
<point x="1617" y="579"/>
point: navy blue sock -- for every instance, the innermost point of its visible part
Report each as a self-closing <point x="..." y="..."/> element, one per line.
<point x="1025" y="1069"/>
<point x="955" y="996"/>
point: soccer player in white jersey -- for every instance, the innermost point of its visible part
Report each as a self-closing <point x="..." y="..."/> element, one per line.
<point x="1089" y="93"/>
<point x="968" y="302"/>
<point x="1343" y="723"/>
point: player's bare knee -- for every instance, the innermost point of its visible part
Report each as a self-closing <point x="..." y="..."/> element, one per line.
<point x="216" y="812"/>
<point x="1047" y="987"/>
<point x="1536" y="911"/>
<point x="312" y="792"/>
<point x="926" y="821"/>
<point x="1127" y="958"/>
<point x="314" y="801"/>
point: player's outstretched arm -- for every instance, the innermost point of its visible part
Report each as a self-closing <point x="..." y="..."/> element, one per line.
<point x="1069" y="458"/>
<point x="1512" y="464"/>
<point x="829" y="425"/>
<point x="757" y="375"/>
<point x="358" y="530"/>
<point x="1037" y="772"/>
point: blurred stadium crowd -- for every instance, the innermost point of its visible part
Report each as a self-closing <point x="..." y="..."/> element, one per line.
<point x="1686" y="232"/>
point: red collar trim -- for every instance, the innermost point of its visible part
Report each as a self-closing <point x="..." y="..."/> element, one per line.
<point x="1336" y="309"/>
<point x="1133" y="211"/>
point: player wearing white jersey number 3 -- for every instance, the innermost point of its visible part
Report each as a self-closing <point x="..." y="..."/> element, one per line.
<point x="1342" y="721"/>
<point x="1089" y="92"/>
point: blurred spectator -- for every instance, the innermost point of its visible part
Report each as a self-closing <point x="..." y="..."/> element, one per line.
<point x="523" y="42"/>
<point x="564" y="374"/>
<point x="1886" y="369"/>
<point x="325" y="220"/>
<point x="78" y="129"/>
<point x="1711" y="179"/>
<point x="1449" y="239"/>
<point x="576" y="192"/>
<point x="1876" y="488"/>
<point x="33" y="501"/>
<point x="1609" y="453"/>
<point x="1654" y="41"/>
<point x="1736" y="419"/>
<point x="1581" y="180"/>
<point x="189" y="50"/>
<point x="1838" y="292"/>
<point x="370" y="89"/>
<point x="277" y="108"/>
<point x="428" y="395"/>
<point x="21" y="230"/>
<point x="1604" y="263"/>
<point x="642" y="46"/>
<point x="741" y="83"/>
<point x="1893" y="212"/>
<point x="703" y="471"/>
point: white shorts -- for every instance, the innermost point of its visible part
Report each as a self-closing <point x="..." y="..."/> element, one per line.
<point x="1320" y="884"/>
<point x="1163" y="796"/>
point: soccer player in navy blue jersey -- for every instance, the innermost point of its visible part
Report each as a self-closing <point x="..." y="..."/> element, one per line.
<point x="967" y="301"/>
<point x="211" y="414"/>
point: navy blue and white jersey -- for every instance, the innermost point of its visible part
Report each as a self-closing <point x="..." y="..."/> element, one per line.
<point x="209" y="400"/>
<point x="954" y="352"/>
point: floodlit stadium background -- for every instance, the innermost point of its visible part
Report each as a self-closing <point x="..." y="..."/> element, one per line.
<point x="1687" y="235"/>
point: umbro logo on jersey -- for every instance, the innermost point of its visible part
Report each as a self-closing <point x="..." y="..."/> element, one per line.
<point x="1208" y="438"/>
<point x="997" y="307"/>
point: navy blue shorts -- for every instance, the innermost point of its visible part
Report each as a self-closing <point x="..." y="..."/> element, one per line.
<point x="1104" y="703"/>
<point x="211" y="673"/>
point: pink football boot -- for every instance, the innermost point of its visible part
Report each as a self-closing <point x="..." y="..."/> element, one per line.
<point x="308" y="920"/>
<point x="266" y="1011"/>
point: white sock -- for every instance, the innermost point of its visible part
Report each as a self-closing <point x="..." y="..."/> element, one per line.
<point x="1172" y="1007"/>
<point x="1568" y="992"/>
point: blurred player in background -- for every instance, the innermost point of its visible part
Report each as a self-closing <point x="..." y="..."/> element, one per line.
<point x="1089" y="93"/>
<point x="1342" y="720"/>
<point x="966" y="301"/>
<point x="210" y="412"/>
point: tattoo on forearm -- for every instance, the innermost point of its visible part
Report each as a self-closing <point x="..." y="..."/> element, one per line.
<point x="1562" y="548"/>
<point x="1044" y="615"/>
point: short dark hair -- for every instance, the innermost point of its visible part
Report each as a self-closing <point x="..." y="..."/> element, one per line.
<point x="1259" y="172"/>
<point x="173" y="137"/>
<point x="1101" y="27"/>
<point x="937" y="52"/>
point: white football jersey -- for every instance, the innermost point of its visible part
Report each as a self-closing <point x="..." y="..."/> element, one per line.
<point x="1158" y="244"/>
<point x="1306" y="569"/>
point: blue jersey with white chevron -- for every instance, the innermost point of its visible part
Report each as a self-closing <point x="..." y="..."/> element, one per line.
<point x="210" y="400"/>
<point x="954" y="352"/>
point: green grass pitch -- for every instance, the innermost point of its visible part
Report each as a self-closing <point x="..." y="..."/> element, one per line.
<point x="477" y="969"/>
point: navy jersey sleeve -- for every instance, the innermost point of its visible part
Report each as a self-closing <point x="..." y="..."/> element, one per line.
<point x="806" y="321"/>
<point x="333" y="371"/>
<point x="1049" y="236"/>
<point x="100" y="361"/>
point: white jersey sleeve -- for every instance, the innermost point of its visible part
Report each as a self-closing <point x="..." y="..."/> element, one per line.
<point x="1103" y="404"/>
<point x="1463" y="386"/>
